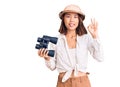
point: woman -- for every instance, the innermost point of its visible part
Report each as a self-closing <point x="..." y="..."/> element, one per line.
<point x="71" y="51"/>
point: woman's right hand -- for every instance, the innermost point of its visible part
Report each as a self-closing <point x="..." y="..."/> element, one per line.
<point x="43" y="53"/>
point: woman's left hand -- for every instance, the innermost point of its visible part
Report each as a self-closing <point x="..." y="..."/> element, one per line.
<point x="93" y="28"/>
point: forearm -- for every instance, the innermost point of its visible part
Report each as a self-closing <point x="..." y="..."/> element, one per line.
<point x="97" y="50"/>
<point x="50" y="63"/>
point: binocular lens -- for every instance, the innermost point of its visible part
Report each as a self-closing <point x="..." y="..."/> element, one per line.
<point x="37" y="46"/>
<point x="39" y="39"/>
<point x="51" y="53"/>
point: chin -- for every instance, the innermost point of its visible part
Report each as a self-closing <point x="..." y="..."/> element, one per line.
<point x="72" y="28"/>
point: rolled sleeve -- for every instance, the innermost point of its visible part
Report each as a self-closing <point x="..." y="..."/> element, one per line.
<point x="50" y="64"/>
<point x="96" y="49"/>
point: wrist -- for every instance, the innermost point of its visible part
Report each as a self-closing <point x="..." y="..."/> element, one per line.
<point x="95" y="36"/>
<point x="47" y="58"/>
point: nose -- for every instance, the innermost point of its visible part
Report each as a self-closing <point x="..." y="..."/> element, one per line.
<point x="72" y="18"/>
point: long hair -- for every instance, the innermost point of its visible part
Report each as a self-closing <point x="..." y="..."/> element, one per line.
<point x="80" y="30"/>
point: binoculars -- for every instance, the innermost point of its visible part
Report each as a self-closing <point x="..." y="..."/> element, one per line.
<point x="44" y="41"/>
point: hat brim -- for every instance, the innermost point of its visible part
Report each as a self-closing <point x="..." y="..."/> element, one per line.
<point x="69" y="11"/>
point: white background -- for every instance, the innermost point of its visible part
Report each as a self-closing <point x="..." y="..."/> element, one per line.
<point x="22" y="21"/>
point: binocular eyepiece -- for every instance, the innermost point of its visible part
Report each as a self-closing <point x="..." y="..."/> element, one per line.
<point x="44" y="41"/>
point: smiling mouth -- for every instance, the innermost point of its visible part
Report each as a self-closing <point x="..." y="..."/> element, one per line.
<point x="71" y="24"/>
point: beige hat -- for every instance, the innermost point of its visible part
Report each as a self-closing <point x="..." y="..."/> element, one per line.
<point x="72" y="8"/>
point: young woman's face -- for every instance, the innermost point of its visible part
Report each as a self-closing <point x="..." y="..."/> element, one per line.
<point x="71" y="21"/>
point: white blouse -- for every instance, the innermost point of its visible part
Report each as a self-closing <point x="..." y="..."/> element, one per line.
<point x="72" y="52"/>
<point x="63" y="60"/>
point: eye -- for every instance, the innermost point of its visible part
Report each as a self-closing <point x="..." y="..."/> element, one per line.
<point x="75" y="16"/>
<point x="67" y="16"/>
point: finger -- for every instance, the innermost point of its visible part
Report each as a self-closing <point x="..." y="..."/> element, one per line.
<point x="38" y="52"/>
<point x="92" y="22"/>
<point x="95" y="25"/>
<point x="41" y="52"/>
<point x="45" y="52"/>
<point x="89" y="26"/>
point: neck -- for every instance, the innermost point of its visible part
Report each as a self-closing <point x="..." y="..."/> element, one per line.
<point x="71" y="34"/>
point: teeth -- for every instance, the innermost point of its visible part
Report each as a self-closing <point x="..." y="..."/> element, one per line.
<point x="71" y="25"/>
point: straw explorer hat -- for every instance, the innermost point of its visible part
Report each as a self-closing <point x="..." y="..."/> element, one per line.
<point x="74" y="9"/>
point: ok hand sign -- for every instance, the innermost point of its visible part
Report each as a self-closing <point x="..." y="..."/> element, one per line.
<point x="93" y="28"/>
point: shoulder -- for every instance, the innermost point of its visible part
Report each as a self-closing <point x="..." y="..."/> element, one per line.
<point x="85" y="37"/>
<point x="61" y="37"/>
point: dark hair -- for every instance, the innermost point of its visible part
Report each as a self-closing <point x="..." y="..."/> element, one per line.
<point x="80" y="30"/>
